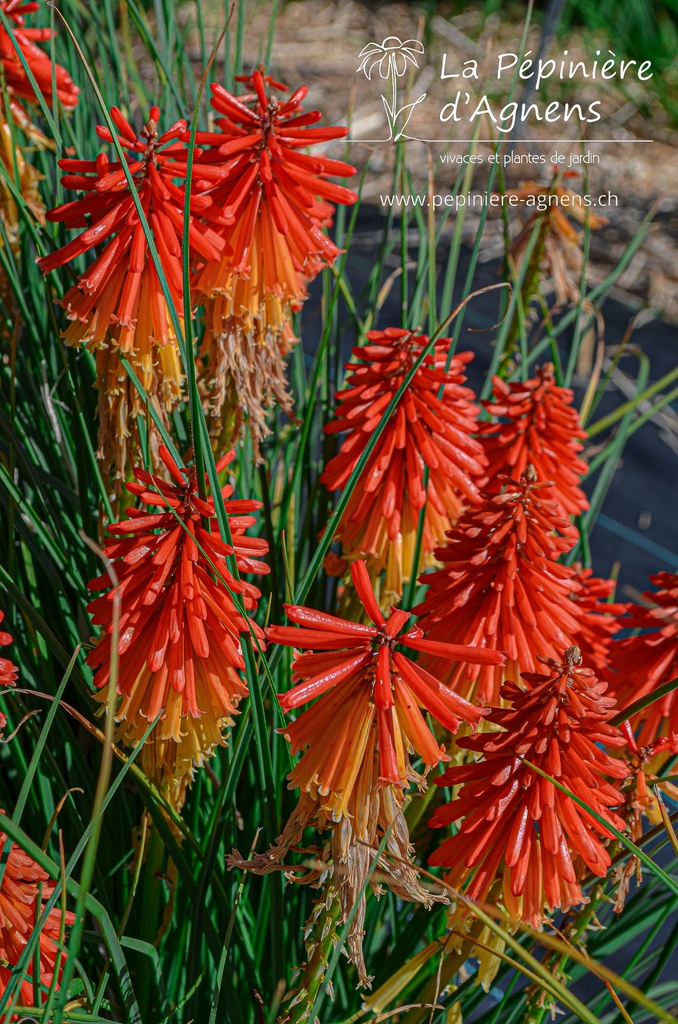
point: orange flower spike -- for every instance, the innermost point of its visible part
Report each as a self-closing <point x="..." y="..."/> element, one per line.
<point x="650" y="658"/>
<point x="271" y="189"/>
<point x="503" y="587"/>
<point x="16" y="80"/>
<point x="363" y="669"/>
<point x="114" y="221"/>
<point x="118" y="307"/>
<point x="425" y="433"/>
<point x="271" y="206"/>
<point x="24" y="890"/>
<point x="179" y="641"/>
<point x="514" y="822"/>
<point x="537" y="425"/>
<point x="598" y="616"/>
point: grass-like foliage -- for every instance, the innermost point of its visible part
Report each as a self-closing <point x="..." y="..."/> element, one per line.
<point x="151" y="917"/>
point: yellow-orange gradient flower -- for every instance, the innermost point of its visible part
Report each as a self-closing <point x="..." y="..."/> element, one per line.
<point x="650" y="658"/>
<point x="534" y="422"/>
<point x="517" y="824"/>
<point x="47" y="74"/>
<point x="117" y="308"/>
<point x="370" y="695"/>
<point x="179" y="637"/>
<point x="358" y="738"/>
<point x="502" y="587"/>
<point x="430" y="433"/>
<point x="21" y="903"/>
<point x="271" y="209"/>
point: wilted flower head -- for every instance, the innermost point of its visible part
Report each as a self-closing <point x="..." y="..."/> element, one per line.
<point x="46" y="73"/>
<point x="271" y="209"/>
<point x="358" y="737"/>
<point x="558" y="250"/>
<point x="430" y="433"/>
<point x="179" y="635"/>
<point x="118" y="307"/>
<point x="518" y="825"/>
<point x="24" y="890"/>
<point x="650" y="658"/>
<point x="502" y="587"/>
<point x="534" y="422"/>
<point x="390" y="57"/>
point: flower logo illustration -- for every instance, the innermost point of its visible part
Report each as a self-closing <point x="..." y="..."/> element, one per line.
<point x="391" y="58"/>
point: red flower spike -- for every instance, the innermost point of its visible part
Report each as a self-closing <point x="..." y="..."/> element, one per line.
<point x="24" y="890"/>
<point x="369" y="696"/>
<point x="650" y="659"/>
<point x="502" y="587"/>
<point x="426" y="433"/>
<point x="515" y="822"/>
<point x="598" y="618"/>
<point x="271" y="205"/>
<point x="179" y="637"/>
<point x="538" y="426"/>
<point x="118" y="306"/>
<point x="15" y="78"/>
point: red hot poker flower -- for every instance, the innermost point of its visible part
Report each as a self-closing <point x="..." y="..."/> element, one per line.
<point x="502" y="587"/>
<point x="358" y="736"/>
<point x="598" y="618"/>
<point x="274" y="199"/>
<point x="120" y="294"/>
<point x="430" y="431"/>
<point x="118" y="306"/>
<point x="179" y="639"/>
<point x="370" y="695"/>
<point x="271" y="208"/>
<point x="517" y="822"/>
<point x="538" y="426"/>
<point x="647" y="660"/>
<point x="21" y="903"/>
<point x="16" y="80"/>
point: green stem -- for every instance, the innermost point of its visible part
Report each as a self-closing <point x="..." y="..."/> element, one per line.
<point x="319" y="945"/>
<point x="149" y="924"/>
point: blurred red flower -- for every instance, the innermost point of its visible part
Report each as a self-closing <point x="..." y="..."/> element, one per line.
<point x="650" y="658"/>
<point x="8" y="671"/>
<point x="539" y="426"/>
<point x="430" y="432"/>
<point x="179" y="636"/>
<point x="21" y="903"/>
<point x="598" y="618"/>
<point x="516" y="822"/>
<point x="16" y="80"/>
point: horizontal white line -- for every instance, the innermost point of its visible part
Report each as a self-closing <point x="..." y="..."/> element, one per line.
<point x="451" y="142"/>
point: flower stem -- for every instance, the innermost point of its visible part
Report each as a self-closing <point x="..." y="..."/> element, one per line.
<point x="321" y="940"/>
